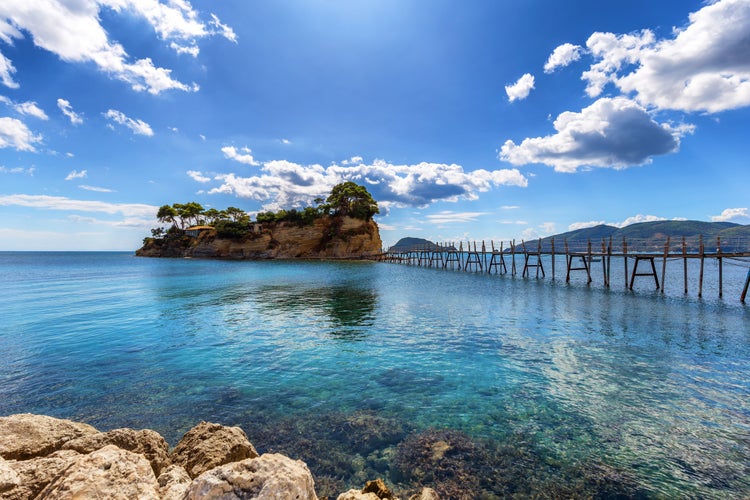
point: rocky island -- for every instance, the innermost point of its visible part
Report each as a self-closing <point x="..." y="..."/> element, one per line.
<point x="340" y="227"/>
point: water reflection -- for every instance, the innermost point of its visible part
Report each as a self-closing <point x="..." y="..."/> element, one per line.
<point x="346" y="310"/>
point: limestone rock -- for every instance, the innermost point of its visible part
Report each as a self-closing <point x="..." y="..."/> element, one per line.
<point x="425" y="494"/>
<point x="144" y="442"/>
<point x="269" y="476"/>
<point x="25" y="436"/>
<point x="110" y="472"/>
<point x="173" y="483"/>
<point x="208" y="445"/>
<point x="36" y="473"/>
<point x="373" y="490"/>
<point x="9" y="478"/>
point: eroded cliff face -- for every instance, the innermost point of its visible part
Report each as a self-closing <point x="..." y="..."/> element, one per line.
<point x="326" y="238"/>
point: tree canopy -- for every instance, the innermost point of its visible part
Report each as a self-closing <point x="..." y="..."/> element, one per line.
<point x="349" y="198"/>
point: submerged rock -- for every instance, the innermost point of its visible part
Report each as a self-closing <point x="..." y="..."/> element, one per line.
<point x="208" y="445"/>
<point x="268" y="476"/>
<point x="25" y="435"/>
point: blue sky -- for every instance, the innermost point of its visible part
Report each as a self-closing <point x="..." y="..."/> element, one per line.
<point x="486" y="119"/>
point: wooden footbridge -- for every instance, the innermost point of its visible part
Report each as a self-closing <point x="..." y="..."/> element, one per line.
<point x="641" y="258"/>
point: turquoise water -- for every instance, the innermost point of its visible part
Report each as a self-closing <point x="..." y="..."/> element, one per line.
<point x="503" y="385"/>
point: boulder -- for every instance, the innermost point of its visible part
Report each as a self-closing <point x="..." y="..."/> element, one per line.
<point x="373" y="490"/>
<point x="208" y="445"/>
<point x="269" y="476"/>
<point x="9" y="478"/>
<point x="110" y="472"/>
<point x="144" y="442"/>
<point x="36" y="473"/>
<point x="25" y="436"/>
<point x="173" y="483"/>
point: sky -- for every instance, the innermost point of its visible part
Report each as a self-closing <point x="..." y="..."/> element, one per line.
<point x="476" y="120"/>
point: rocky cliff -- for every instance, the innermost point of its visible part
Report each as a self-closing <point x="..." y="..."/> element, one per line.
<point x="325" y="238"/>
<point x="45" y="457"/>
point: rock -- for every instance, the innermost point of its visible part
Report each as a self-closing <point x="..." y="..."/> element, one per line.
<point x="208" y="445"/>
<point x="425" y="494"/>
<point x="269" y="476"/>
<point x="110" y="472"/>
<point x="25" y="436"/>
<point x="9" y="478"/>
<point x="144" y="442"/>
<point x="37" y="473"/>
<point x="173" y="483"/>
<point x="357" y="495"/>
<point x="373" y="490"/>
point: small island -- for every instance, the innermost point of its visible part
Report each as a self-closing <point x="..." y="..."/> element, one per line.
<point x="337" y="227"/>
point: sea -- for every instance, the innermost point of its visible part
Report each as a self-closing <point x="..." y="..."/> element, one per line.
<point x="478" y="385"/>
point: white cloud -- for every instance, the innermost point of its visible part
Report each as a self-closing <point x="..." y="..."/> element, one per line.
<point x="233" y="154"/>
<point x="96" y="189"/>
<point x="28" y="108"/>
<point x="730" y="214"/>
<point x="283" y="183"/>
<point x="17" y="170"/>
<point x="562" y="56"/>
<point x="15" y="134"/>
<point x="63" y="203"/>
<point x="614" y="133"/>
<point x="702" y="68"/>
<point x="448" y="216"/>
<point x="72" y="30"/>
<point x="136" y="126"/>
<point x="75" y="174"/>
<point x="67" y="110"/>
<point x="521" y="89"/>
<point x="7" y="69"/>
<point x="286" y="142"/>
<point x="510" y="207"/>
<point x="198" y="176"/>
<point x="583" y="225"/>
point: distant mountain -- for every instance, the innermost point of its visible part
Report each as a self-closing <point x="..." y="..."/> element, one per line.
<point x="413" y="244"/>
<point x="649" y="235"/>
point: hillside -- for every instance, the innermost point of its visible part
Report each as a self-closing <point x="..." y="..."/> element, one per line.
<point x="411" y="244"/>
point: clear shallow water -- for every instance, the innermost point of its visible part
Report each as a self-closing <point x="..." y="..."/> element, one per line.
<point x="365" y="369"/>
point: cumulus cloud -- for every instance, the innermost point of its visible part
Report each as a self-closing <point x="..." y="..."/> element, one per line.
<point x="283" y="183"/>
<point x="730" y="214"/>
<point x="701" y="68"/>
<point x="63" y="203"/>
<point x="72" y="31"/>
<point x="28" y="108"/>
<point x="75" y="174"/>
<point x="243" y="155"/>
<point x="583" y="225"/>
<point x="635" y="219"/>
<point x="136" y="126"/>
<point x="521" y="89"/>
<point x="198" y="177"/>
<point x="67" y="110"/>
<point x="562" y="56"/>
<point x="614" y="133"/>
<point x="15" y="134"/>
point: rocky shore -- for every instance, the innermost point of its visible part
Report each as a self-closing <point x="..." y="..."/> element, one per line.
<point x="44" y="457"/>
<point x="325" y="238"/>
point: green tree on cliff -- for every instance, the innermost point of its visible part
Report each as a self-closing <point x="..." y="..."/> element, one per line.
<point x="353" y="200"/>
<point x="167" y="214"/>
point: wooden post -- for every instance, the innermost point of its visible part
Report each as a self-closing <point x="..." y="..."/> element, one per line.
<point x="567" y="262"/>
<point x="664" y="265"/>
<point x="721" y="267"/>
<point x="604" y="264"/>
<point x="513" y="257"/>
<point x="744" y="290"/>
<point x="609" y="261"/>
<point x="625" y="258"/>
<point x="588" y="263"/>
<point x="553" y="259"/>
<point x="700" y="279"/>
<point x="684" y="264"/>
